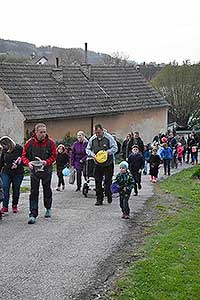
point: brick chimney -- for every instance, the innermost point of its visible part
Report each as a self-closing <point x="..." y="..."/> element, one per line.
<point x="57" y="72"/>
<point x="86" y="68"/>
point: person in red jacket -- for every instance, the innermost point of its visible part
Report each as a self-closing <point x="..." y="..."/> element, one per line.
<point x="39" y="154"/>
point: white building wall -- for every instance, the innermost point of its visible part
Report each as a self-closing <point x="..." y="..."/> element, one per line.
<point x="11" y="119"/>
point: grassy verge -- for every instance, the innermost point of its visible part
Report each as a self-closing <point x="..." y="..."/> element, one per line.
<point x="169" y="264"/>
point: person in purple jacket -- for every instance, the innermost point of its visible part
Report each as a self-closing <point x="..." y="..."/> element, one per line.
<point x="79" y="156"/>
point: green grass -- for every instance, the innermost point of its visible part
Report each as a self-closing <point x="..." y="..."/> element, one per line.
<point x="24" y="189"/>
<point x="169" y="267"/>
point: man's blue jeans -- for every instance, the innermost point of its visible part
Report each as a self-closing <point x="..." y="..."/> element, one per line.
<point x="16" y="181"/>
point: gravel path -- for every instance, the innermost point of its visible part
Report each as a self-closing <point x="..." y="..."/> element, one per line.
<point x="57" y="258"/>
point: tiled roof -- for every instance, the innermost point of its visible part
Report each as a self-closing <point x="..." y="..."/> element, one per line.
<point x="43" y="92"/>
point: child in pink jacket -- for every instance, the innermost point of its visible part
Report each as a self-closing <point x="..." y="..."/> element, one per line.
<point x="180" y="150"/>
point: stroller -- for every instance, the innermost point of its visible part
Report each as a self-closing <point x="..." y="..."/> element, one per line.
<point x="88" y="173"/>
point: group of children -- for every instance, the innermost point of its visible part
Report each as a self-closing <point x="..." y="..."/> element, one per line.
<point x="129" y="176"/>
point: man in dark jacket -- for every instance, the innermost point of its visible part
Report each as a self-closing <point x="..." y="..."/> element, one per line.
<point x="102" y="140"/>
<point x="135" y="140"/>
<point x="42" y="148"/>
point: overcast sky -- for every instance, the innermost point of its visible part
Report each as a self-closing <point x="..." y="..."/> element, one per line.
<point x="145" y="30"/>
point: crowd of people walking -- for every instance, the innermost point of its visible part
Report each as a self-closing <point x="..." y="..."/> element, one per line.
<point x="136" y="158"/>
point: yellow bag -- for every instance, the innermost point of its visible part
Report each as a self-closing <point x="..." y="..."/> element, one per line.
<point x="101" y="156"/>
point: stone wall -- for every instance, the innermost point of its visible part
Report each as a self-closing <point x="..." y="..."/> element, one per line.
<point x="11" y="119"/>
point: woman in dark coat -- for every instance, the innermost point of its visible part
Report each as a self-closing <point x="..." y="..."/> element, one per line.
<point x="154" y="162"/>
<point x="12" y="172"/>
<point x="79" y="156"/>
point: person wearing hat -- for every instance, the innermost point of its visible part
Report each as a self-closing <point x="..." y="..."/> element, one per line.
<point x="39" y="148"/>
<point x="154" y="162"/>
<point x="136" y="164"/>
<point x="102" y="147"/>
<point x="126" y="183"/>
<point x="12" y="172"/>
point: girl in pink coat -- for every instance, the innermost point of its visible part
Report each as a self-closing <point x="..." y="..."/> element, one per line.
<point x="180" y="150"/>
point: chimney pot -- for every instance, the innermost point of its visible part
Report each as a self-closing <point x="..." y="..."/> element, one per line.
<point x="86" y="54"/>
<point x="57" y="62"/>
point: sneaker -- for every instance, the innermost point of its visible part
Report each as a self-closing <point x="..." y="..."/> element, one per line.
<point x="58" y="189"/>
<point x="63" y="187"/>
<point x="126" y="217"/>
<point x="15" y="209"/>
<point x="98" y="203"/>
<point x="31" y="220"/>
<point x="78" y="189"/>
<point x="4" y="210"/>
<point x="135" y="194"/>
<point x="48" y="213"/>
<point x="139" y="186"/>
<point x="123" y="216"/>
<point x="109" y="199"/>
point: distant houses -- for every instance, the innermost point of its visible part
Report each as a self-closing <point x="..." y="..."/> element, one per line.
<point x="71" y="98"/>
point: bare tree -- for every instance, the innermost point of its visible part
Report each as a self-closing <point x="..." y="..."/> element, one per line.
<point x="72" y="56"/>
<point x="180" y="85"/>
<point x="116" y="58"/>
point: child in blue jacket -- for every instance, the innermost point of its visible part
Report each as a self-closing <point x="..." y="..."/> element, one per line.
<point x="166" y="155"/>
<point x="146" y="155"/>
<point x="126" y="182"/>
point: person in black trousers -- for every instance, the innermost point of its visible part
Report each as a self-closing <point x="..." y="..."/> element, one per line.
<point x="102" y="141"/>
<point x="154" y="162"/>
<point x="1" y="195"/>
<point x="42" y="148"/>
<point x="62" y="161"/>
<point x="136" y="164"/>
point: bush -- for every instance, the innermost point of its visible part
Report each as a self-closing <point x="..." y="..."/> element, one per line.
<point x="196" y="174"/>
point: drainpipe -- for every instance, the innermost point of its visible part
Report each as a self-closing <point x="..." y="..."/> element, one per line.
<point x="92" y="125"/>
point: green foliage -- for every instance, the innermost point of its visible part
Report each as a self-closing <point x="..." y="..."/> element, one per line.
<point x="196" y="174"/>
<point x="68" y="140"/>
<point x="170" y="263"/>
<point x="180" y="85"/>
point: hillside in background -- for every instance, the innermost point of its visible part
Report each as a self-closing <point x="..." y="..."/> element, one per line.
<point x="28" y="51"/>
<point x="22" y="52"/>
